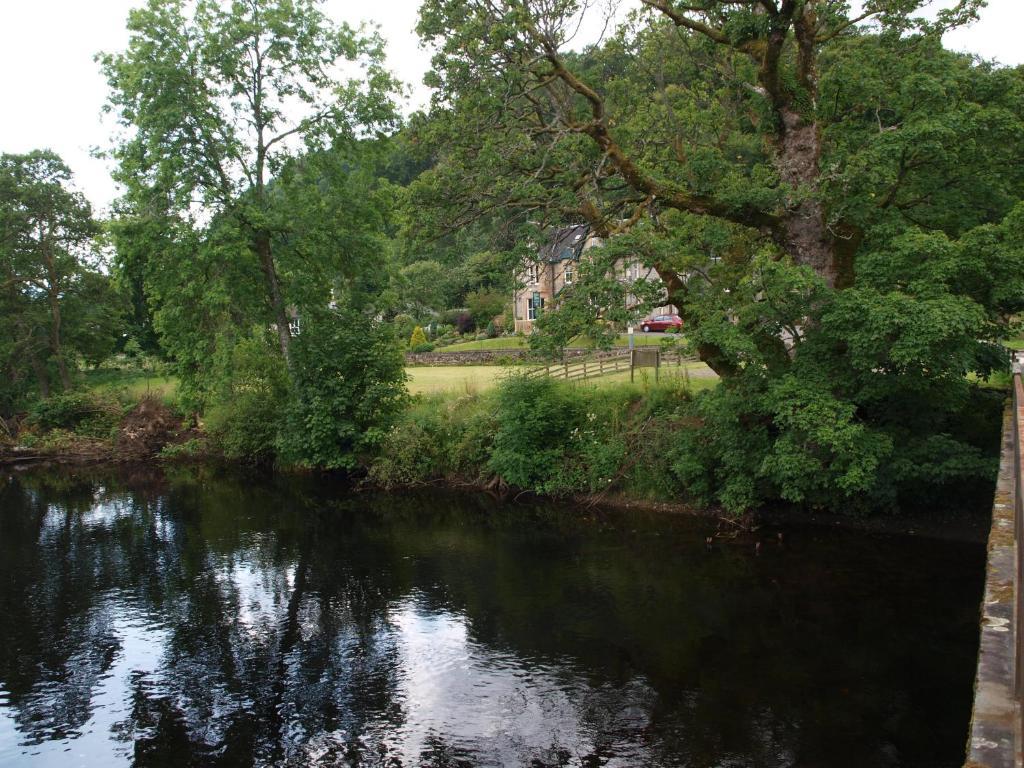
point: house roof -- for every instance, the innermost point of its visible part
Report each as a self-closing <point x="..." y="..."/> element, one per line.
<point x="565" y="243"/>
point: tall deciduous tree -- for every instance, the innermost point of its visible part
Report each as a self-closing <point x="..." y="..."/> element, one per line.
<point x="215" y="101"/>
<point x="512" y="57"/>
<point x="829" y="198"/>
<point x="56" y="305"/>
<point x="713" y="109"/>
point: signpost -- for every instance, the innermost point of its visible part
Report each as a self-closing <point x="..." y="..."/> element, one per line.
<point x="644" y="357"/>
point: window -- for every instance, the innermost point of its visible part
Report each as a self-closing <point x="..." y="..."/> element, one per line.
<point x="532" y="277"/>
<point x="568" y="273"/>
<point x="294" y="326"/>
<point x="532" y="305"/>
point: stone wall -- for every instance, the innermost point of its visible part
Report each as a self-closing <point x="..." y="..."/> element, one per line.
<point x="995" y="735"/>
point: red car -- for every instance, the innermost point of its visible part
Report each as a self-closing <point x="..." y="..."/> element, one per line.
<point x="662" y="323"/>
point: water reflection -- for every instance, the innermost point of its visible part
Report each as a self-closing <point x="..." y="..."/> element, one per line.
<point x="212" y="619"/>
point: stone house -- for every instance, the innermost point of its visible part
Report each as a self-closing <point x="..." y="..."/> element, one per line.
<point x="542" y="278"/>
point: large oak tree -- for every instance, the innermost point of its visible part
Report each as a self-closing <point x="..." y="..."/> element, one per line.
<point x="831" y="199"/>
<point x="711" y="108"/>
<point x="215" y="101"/>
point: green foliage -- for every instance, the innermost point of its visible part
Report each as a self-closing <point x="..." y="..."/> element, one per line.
<point x="555" y="438"/>
<point x="872" y="407"/>
<point x="258" y="188"/>
<point x="349" y="387"/>
<point x="422" y="287"/>
<point x="193" y="448"/>
<point x="57" y="305"/>
<point x="541" y="435"/>
<point x="484" y="306"/>
<point x="403" y="326"/>
<point x="437" y="437"/>
<point x="249" y="400"/>
<point x="85" y="413"/>
<point x="850" y="288"/>
<point x="418" y="338"/>
<point x="54" y="441"/>
<point x="237" y="111"/>
<point x="536" y="418"/>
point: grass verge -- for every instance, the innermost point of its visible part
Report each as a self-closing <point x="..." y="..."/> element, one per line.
<point x="471" y="379"/>
<point x="133" y="384"/>
<point x="520" y="342"/>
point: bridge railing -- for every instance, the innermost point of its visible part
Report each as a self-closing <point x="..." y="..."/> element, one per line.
<point x="996" y="723"/>
<point x="1017" y="420"/>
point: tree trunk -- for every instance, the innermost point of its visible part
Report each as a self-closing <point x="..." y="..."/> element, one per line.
<point x="805" y="233"/>
<point x="42" y="377"/>
<point x="280" y="312"/>
<point x="56" y="345"/>
<point x="53" y="298"/>
<point x="709" y="354"/>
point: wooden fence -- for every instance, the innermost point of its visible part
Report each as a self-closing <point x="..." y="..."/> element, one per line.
<point x="599" y="365"/>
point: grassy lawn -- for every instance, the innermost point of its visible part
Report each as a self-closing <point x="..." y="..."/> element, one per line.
<point x="1017" y="343"/>
<point x="135" y="384"/>
<point x="462" y="379"/>
<point x="519" y="342"/>
<point x="454" y="379"/>
<point x="698" y="374"/>
<point x="459" y="379"/>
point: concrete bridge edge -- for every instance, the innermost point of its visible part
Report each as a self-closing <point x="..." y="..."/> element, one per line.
<point x="995" y="732"/>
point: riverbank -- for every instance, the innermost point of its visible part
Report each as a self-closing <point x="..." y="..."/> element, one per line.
<point x="90" y="427"/>
<point x="625" y="445"/>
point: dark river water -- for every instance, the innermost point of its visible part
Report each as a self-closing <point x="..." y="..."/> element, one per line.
<point x="209" y="618"/>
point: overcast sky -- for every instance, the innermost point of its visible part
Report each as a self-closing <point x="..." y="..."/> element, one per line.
<point x="51" y="90"/>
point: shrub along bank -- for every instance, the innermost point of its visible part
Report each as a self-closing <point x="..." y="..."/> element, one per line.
<point x="651" y="443"/>
<point x="103" y="425"/>
<point x="541" y="435"/>
<point x="668" y="444"/>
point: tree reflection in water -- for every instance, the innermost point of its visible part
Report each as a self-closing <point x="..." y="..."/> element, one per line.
<point x="206" y="618"/>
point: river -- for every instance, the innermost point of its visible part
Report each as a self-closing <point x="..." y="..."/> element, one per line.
<point x="211" y="617"/>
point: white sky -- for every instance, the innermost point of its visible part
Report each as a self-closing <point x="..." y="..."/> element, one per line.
<point x="52" y="91"/>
